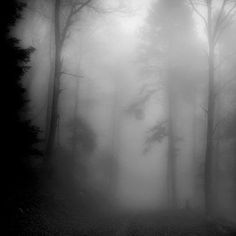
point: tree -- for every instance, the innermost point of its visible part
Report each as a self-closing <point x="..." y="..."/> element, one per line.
<point x="82" y="138"/>
<point x="168" y="22"/>
<point x="61" y="32"/>
<point x="215" y="22"/>
<point x="20" y="137"/>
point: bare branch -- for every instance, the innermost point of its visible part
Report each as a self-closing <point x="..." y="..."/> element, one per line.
<point x="223" y="20"/>
<point x="75" y="9"/>
<point x="218" y="21"/>
<point x="79" y="7"/>
<point x="73" y="75"/>
<point x="198" y="12"/>
<point x="67" y="25"/>
<point x="204" y="109"/>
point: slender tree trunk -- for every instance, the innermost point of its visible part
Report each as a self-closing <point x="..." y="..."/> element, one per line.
<point x="56" y="83"/>
<point x="50" y="83"/>
<point x="195" y="153"/>
<point x="218" y="134"/>
<point x="208" y="183"/>
<point x="171" y="104"/>
<point x="75" y="130"/>
<point x="171" y="168"/>
<point x="171" y="162"/>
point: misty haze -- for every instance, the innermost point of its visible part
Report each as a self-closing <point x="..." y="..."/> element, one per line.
<point x="125" y="117"/>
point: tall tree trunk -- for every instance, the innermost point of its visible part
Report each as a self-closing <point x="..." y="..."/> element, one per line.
<point x="195" y="153"/>
<point x="217" y="134"/>
<point x="75" y="129"/>
<point x="208" y="183"/>
<point x="53" y="119"/>
<point x="50" y="82"/>
<point x="171" y="168"/>
<point x="171" y="162"/>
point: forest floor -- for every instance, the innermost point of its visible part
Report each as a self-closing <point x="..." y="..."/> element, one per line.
<point x="55" y="218"/>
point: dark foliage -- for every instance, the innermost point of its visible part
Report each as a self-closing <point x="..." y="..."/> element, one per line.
<point x="21" y="136"/>
<point x="136" y="109"/>
<point x="156" y="134"/>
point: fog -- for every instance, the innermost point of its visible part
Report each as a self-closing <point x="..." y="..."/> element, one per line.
<point x="136" y="104"/>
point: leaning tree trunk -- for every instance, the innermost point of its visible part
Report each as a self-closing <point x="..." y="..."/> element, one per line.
<point x="208" y="178"/>
<point x="53" y="117"/>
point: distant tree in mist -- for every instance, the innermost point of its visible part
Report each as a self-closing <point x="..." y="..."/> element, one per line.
<point x="170" y="25"/>
<point x="82" y="137"/>
<point x="61" y="31"/>
<point x="215" y="22"/>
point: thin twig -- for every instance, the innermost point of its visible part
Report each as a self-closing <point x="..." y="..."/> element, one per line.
<point x="73" y="75"/>
<point x="198" y="12"/>
<point x="204" y="109"/>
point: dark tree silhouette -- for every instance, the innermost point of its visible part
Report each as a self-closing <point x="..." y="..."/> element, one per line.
<point x="61" y="32"/>
<point x="21" y="136"/>
<point x="215" y="23"/>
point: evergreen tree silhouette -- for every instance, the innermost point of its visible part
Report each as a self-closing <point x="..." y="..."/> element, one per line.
<point x="20" y="136"/>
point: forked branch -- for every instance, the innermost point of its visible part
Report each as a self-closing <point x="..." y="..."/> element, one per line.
<point x="198" y="12"/>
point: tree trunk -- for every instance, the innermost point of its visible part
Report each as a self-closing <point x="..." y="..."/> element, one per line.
<point x="53" y="119"/>
<point x="171" y="162"/>
<point x="75" y="129"/>
<point x="195" y="153"/>
<point x="171" y="169"/>
<point x="208" y="180"/>
<point x="50" y="83"/>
